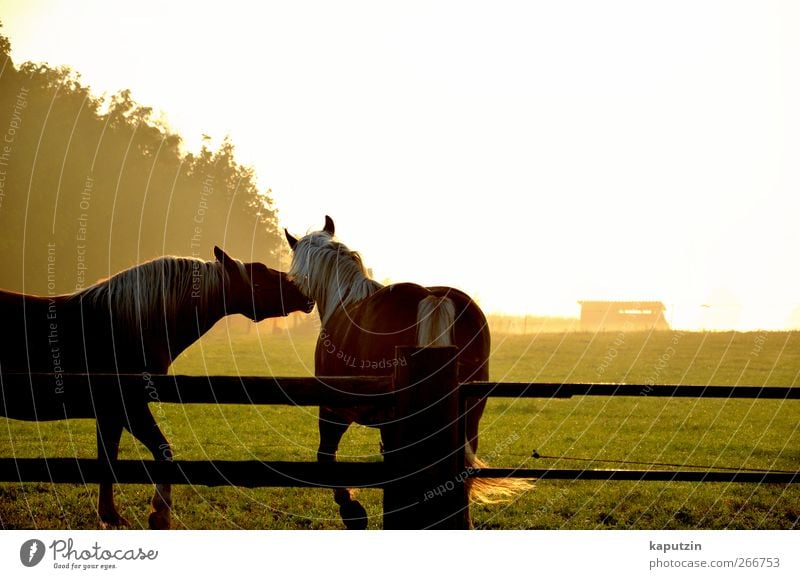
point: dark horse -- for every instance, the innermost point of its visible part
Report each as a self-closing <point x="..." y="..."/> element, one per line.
<point x="137" y="321"/>
<point x="363" y="322"/>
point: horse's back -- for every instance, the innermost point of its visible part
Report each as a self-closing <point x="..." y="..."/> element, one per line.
<point x="361" y="340"/>
<point x="28" y="331"/>
<point x="57" y="335"/>
<point x="391" y="309"/>
<point x="470" y="334"/>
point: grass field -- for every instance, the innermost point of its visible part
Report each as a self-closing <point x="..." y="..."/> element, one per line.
<point x="747" y="433"/>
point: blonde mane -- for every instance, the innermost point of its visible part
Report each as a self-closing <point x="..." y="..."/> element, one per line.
<point x="148" y="295"/>
<point x="329" y="273"/>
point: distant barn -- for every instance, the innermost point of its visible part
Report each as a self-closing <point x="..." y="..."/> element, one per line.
<point x="627" y="316"/>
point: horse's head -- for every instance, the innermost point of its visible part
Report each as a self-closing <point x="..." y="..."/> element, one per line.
<point x="311" y="258"/>
<point x="257" y="291"/>
<point x="327" y="271"/>
<point x="306" y="253"/>
<point x="317" y="238"/>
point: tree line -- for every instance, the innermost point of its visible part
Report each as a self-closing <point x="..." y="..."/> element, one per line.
<point x="90" y="185"/>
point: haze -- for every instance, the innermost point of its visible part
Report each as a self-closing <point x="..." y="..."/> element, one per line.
<point x="534" y="153"/>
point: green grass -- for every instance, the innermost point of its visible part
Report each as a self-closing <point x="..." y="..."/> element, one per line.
<point x="753" y="434"/>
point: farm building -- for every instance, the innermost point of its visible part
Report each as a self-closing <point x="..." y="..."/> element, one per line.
<point x="628" y="316"/>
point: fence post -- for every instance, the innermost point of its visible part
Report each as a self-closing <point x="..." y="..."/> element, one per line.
<point x="424" y="444"/>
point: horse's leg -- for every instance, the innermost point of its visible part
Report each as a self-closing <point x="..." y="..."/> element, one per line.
<point x="331" y="429"/>
<point x="475" y="408"/>
<point x="109" y="432"/>
<point x="143" y="426"/>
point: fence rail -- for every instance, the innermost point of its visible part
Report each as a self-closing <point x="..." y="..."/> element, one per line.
<point x="255" y="473"/>
<point x="719" y="476"/>
<point x="332" y="390"/>
<point x="425" y="441"/>
<point x="212" y="473"/>
<point x="569" y="390"/>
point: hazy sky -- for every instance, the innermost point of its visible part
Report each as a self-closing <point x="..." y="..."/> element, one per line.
<point x="531" y="153"/>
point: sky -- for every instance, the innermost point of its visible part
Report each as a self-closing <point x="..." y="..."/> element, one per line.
<point x="531" y="153"/>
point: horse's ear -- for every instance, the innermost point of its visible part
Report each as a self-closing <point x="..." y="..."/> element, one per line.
<point x="329" y="227"/>
<point x="221" y="256"/>
<point x="230" y="265"/>
<point x="290" y="238"/>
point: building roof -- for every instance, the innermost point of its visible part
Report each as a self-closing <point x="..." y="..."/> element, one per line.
<point x="624" y="304"/>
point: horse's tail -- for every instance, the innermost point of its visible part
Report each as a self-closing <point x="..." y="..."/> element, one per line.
<point x="491" y="490"/>
<point x="435" y="320"/>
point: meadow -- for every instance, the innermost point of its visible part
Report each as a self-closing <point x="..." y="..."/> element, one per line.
<point x="738" y="433"/>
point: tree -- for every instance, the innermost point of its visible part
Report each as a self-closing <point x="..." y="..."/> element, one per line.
<point x="90" y="185"/>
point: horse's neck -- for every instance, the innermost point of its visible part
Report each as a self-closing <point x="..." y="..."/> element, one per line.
<point x="191" y="323"/>
<point x="336" y="296"/>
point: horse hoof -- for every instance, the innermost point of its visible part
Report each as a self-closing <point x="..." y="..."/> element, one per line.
<point x="159" y="520"/>
<point x="354" y="516"/>
<point x="114" y="521"/>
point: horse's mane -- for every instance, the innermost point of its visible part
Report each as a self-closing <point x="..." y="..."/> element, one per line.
<point x="149" y="294"/>
<point x="329" y="273"/>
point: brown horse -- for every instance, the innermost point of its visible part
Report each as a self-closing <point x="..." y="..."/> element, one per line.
<point x="137" y="321"/>
<point x="363" y="322"/>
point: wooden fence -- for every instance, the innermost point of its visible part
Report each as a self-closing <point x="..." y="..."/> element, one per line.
<point x="424" y="443"/>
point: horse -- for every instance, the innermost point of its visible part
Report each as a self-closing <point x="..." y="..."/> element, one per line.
<point x="362" y="322"/>
<point x="137" y="321"/>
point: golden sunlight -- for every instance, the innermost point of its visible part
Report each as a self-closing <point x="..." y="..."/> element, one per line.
<point x="530" y="167"/>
